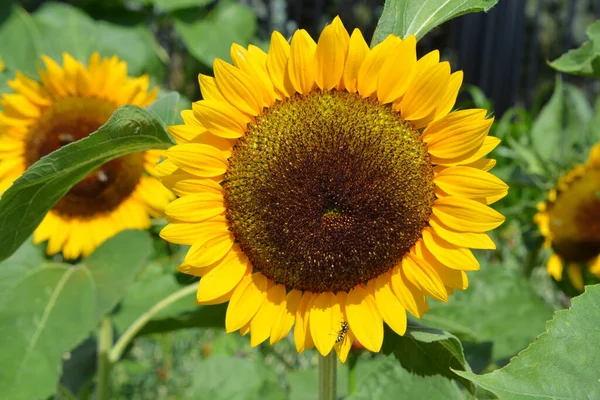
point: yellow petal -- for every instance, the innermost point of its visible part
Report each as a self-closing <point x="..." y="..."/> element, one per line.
<point x="464" y="215"/>
<point x="189" y="233"/>
<point x="469" y="182"/>
<point x="262" y="323"/>
<point x="484" y="164"/>
<point x="457" y="135"/>
<point x="209" y="89"/>
<point x="238" y="88"/>
<point x="424" y="93"/>
<point x="325" y="311"/>
<point x="343" y="348"/>
<point x="286" y="316"/>
<point x="411" y="297"/>
<point x="199" y="159"/>
<point x="423" y="276"/>
<point x="183" y="183"/>
<point x="463" y="239"/>
<point x="331" y="54"/>
<point x="224" y="277"/>
<point x="364" y="318"/>
<point x="392" y="311"/>
<point x="575" y="276"/>
<point x="196" y="207"/>
<point x="184" y="133"/>
<point x="555" y="267"/>
<point x="368" y="73"/>
<point x="245" y="301"/>
<point x="489" y="144"/>
<point x="302" y="68"/>
<point x="221" y="119"/>
<point x="397" y="71"/>
<point x="447" y="102"/>
<point x="302" y="330"/>
<point x="357" y="51"/>
<point x="277" y="60"/>
<point x="210" y="249"/>
<point x="253" y="64"/>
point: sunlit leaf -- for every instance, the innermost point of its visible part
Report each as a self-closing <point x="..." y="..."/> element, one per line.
<point x="560" y="364"/>
<point x="409" y="17"/>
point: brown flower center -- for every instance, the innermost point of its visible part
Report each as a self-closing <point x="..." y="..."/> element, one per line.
<point x="328" y="190"/>
<point x="67" y="121"/>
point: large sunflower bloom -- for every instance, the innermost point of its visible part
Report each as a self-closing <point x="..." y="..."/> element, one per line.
<point x="569" y="220"/>
<point x="326" y="184"/>
<point x="68" y="104"/>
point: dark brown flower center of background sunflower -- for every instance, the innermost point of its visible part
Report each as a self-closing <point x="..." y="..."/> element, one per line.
<point x="575" y="219"/>
<point x="328" y="190"/>
<point x="67" y="121"/>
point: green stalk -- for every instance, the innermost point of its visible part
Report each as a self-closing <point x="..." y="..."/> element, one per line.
<point x="327" y="378"/>
<point x="105" y="340"/>
<point x="117" y="350"/>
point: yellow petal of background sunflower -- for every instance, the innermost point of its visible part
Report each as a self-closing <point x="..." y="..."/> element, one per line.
<point x="555" y="267"/>
<point x="302" y="68"/>
<point x="357" y="51"/>
<point x="364" y="318"/>
<point x="245" y="301"/>
<point x="331" y="54"/>
<point x="575" y="276"/>
<point x="199" y="159"/>
<point x="392" y="311"/>
<point x="262" y="322"/>
<point x="224" y="277"/>
<point x="410" y="296"/>
<point x="325" y="312"/>
<point x="464" y="215"/>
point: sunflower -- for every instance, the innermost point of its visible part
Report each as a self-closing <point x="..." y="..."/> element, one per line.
<point x="569" y="220"/>
<point x="68" y="104"/>
<point x="327" y="185"/>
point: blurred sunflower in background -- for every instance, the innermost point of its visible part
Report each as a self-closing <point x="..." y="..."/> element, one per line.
<point x="327" y="185"/>
<point x="569" y="220"/>
<point x="68" y="104"/>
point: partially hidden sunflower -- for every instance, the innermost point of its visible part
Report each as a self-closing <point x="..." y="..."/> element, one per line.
<point x="569" y="220"/>
<point x="327" y="185"/>
<point x="68" y="104"/>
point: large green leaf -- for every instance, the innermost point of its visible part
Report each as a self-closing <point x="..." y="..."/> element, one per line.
<point x="19" y="38"/>
<point x="409" y="17"/>
<point x="428" y="351"/>
<point x="26" y="258"/>
<point x="221" y="377"/>
<point x="500" y="306"/>
<point x="209" y="36"/>
<point x="49" y="310"/>
<point x="171" y="5"/>
<point x="23" y="206"/>
<point x="584" y="60"/>
<point x="383" y="378"/>
<point x="67" y="29"/>
<point x="562" y="363"/>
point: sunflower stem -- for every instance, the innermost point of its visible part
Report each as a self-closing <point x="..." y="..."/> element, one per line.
<point x="327" y="376"/>
<point x="105" y="340"/>
<point x="117" y="350"/>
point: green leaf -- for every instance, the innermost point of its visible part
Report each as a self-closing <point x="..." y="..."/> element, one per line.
<point x="304" y="384"/>
<point x="428" y="351"/>
<point x="514" y="313"/>
<point x="166" y="108"/>
<point x="26" y="258"/>
<point x="21" y="41"/>
<point x="584" y="60"/>
<point x="209" y="36"/>
<point x="172" y="5"/>
<point x="383" y="378"/>
<point x="221" y="377"/>
<point x="67" y="29"/>
<point x="561" y="364"/>
<point x="51" y="309"/>
<point x="23" y="206"/>
<point x="409" y="17"/>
